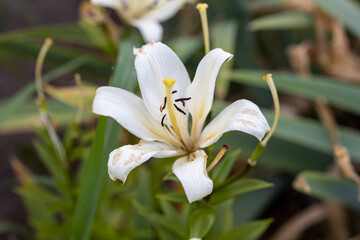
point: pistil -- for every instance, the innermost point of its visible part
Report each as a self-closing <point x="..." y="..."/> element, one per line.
<point x="169" y="83"/>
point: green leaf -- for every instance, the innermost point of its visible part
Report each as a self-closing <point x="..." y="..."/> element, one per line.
<point x="321" y="185"/>
<point x="13" y="104"/>
<point x="223" y="221"/>
<point x="105" y="140"/>
<point x="228" y="43"/>
<point x="258" y="5"/>
<point x="70" y="33"/>
<point x="144" y="197"/>
<point x="27" y="116"/>
<point x="248" y="231"/>
<point x="306" y="132"/>
<point x="221" y="172"/>
<point x="52" y="164"/>
<point x="200" y="220"/>
<point x="343" y="95"/>
<point x="347" y="11"/>
<point x="283" y="20"/>
<point x="161" y="221"/>
<point x="185" y="47"/>
<point x="312" y="134"/>
<point x="251" y="205"/>
<point x="236" y="188"/>
<point x="18" y="229"/>
<point x="173" y="197"/>
<point x="98" y="36"/>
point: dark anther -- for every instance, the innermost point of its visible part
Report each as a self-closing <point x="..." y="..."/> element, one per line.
<point x="225" y="146"/>
<point x="173" y="92"/>
<point x="182" y="100"/>
<point x="177" y="108"/>
<point x="162" y="120"/>
<point x="162" y="108"/>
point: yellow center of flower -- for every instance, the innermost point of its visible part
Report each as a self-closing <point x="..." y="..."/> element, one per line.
<point x="169" y="83"/>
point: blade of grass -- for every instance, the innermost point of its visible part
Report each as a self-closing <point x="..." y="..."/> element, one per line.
<point x="105" y="141"/>
<point x="280" y="21"/>
<point x="13" y="104"/>
<point x="343" y="95"/>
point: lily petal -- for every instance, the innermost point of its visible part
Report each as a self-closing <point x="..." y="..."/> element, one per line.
<point x="154" y="62"/>
<point x="128" y="110"/>
<point x="201" y="89"/>
<point x="241" y="115"/>
<point x="191" y="171"/>
<point x="126" y="158"/>
<point x="107" y="3"/>
<point x="165" y="11"/>
<point x="151" y="30"/>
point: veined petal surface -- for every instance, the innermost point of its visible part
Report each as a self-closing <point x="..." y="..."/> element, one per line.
<point x="165" y="10"/>
<point x="107" y="3"/>
<point x="191" y="171"/>
<point x="201" y="89"/>
<point x="128" y="110"/>
<point x="126" y="158"/>
<point x="154" y="62"/>
<point x="150" y="29"/>
<point x="242" y="115"/>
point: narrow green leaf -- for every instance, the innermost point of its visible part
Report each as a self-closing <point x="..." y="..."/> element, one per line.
<point x="173" y="197"/>
<point x="161" y="221"/>
<point x="307" y="132"/>
<point x="98" y="36"/>
<point x="321" y="185"/>
<point x="251" y="205"/>
<point x="310" y="133"/>
<point x="258" y="5"/>
<point x="280" y="21"/>
<point x="236" y="188"/>
<point x="228" y="43"/>
<point x="105" y="140"/>
<point x="144" y="197"/>
<point x="224" y="220"/>
<point x="19" y="229"/>
<point x="200" y="221"/>
<point x="347" y="11"/>
<point x="24" y="94"/>
<point x="343" y="95"/>
<point x="90" y="188"/>
<point x="185" y="47"/>
<point x="221" y="172"/>
<point x="248" y="231"/>
<point x="63" y="32"/>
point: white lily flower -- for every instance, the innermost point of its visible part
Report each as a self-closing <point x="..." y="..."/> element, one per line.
<point x="160" y="118"/>
<point x="145" y="15"/>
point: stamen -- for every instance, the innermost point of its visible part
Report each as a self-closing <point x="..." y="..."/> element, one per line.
<point x="270" y="82"/>
<point x="204" y="23"/>
<point x="179" y="109"/>
<point x="173" y="92"/>
<point x="218" y="157"/>
<point x="182" y="99"/>
<point x="162" y="120"/>
<point x="162" y="108"/>
<point x="169" y="83"/>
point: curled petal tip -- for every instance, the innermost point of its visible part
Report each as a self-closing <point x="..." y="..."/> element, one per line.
<point x="137" y="51"/>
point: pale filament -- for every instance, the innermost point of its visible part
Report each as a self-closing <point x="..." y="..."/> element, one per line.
<point x="176" y="114"/>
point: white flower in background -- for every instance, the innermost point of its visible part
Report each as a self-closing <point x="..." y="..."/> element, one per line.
<point x="145" y="15"/>
<point x="160" y="118"/>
